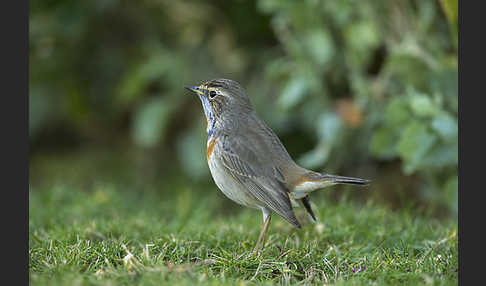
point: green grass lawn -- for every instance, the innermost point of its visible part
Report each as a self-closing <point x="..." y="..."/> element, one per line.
<point x="104" y="236"/>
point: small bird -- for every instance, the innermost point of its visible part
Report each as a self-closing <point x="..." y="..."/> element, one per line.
<point x="248" y="162"/>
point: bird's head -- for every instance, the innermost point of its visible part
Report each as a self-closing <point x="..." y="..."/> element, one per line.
<point x="221" y="100"/>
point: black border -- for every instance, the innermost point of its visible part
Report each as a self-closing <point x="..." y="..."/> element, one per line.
<point x="15" y="150"/>
<point x="471" y="89"/>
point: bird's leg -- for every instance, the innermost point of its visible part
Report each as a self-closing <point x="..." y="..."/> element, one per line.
<point x="263" y="233"/>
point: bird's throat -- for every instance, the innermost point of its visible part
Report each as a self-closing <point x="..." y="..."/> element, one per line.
<point x="208" y="111"/>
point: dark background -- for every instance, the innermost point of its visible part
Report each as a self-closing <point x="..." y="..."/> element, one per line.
<point x="356" y="88"/>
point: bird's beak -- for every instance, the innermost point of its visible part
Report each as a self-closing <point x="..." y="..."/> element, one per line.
<point x="196" y="89"/>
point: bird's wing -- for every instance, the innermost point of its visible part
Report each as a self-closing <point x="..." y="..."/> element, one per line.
<point x="262" y="179"/>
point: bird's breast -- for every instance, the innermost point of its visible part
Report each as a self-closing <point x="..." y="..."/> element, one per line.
<point x="233" y="189"/>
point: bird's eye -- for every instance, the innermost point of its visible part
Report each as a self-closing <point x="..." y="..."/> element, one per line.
<point x="212" y="94"/>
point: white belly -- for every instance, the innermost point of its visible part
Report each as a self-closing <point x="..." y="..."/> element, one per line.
<point x="229" y="186"/>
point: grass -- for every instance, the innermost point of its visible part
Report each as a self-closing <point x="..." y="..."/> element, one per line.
<point x="104" y="236"/>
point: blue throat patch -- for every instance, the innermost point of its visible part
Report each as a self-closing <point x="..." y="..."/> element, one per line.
<point x="208" y="111"/>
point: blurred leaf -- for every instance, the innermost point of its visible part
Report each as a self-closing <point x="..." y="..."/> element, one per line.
<point x="446" y="126"/>
<point x="383" y="144"/>
<point x="397" y="112"/>
<point x="422" y="105"/>
<point x="427" y="13"/>
<point x="293" y="92"/>
<point x="277" y="68"/>
<point x="150" y="121"/>
<point x="329" y="131"/>
<point x="439" y="156"/>
<point x="445" y="83"/>
<point x="316" y="157"/>
<point x="362" y="39"/>
<point x="329" y="127"/>
<point x="341" y="11"/>
<point x="414" y="143"/>
<point x="408" y="68"/>
<point x="269" y="6"/>
<point x="320" y="46"/>
<point x="450" y="9"/>
<point x="133" y="84"/>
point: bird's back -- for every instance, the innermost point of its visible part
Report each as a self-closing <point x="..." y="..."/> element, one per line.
<point x="266" y="152"/>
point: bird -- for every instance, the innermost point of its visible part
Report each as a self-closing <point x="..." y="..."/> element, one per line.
<point x="249" y="163"/>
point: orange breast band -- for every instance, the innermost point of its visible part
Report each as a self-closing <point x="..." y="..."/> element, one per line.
<point x="210" y="148"/>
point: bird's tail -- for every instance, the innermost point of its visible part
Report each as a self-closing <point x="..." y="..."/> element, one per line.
<point x="312" y="181"/>
<point x="345" y="180"/>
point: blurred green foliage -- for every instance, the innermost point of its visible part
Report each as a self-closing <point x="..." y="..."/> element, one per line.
<point x="351" y="87"/>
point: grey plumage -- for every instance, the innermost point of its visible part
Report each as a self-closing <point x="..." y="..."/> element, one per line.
<point x="257" y="174"/>
<point x="247" y="160"/>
